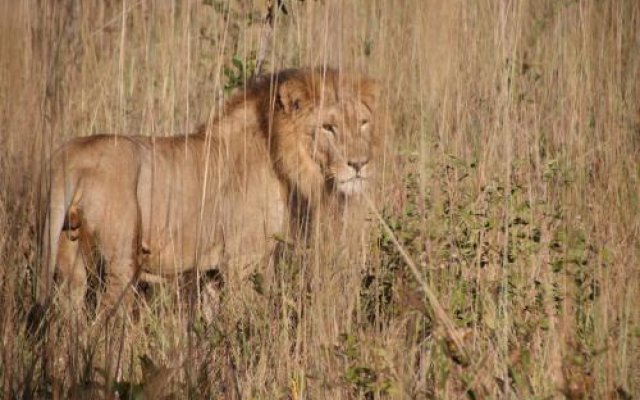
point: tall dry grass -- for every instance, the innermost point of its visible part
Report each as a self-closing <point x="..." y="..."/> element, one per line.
<point x="510" y="176"/>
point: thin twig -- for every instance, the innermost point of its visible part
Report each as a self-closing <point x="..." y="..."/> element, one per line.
<point x="439" y="312"/>
<point x="265" y="37"/>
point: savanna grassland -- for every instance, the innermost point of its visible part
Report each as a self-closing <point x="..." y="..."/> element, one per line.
<point x="508" y="264"/>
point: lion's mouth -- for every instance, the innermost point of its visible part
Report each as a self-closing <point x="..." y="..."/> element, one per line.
<point x="352" y="186"/>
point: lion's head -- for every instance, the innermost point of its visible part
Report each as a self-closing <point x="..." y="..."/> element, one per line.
<point x="324" y="139"/>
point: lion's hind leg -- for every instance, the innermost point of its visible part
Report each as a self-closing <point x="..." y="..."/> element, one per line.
<point x="72" y="276"/>
<point x="66" y="333"/>
<point x="116" y="226"/>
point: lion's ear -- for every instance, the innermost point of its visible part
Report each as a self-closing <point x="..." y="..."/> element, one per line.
<point x="291" y="95"/>
<point x="369" y="93"/>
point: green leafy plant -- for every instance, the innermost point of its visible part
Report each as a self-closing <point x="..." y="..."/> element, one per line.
<point x="238" y="73"/>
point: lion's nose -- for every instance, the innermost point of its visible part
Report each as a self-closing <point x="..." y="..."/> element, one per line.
<point x="357" y="164"/>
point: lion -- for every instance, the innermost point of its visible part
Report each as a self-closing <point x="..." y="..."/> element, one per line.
<point x="290" y="144"/>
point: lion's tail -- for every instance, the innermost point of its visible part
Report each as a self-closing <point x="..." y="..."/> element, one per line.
<point x="62" y="188"/>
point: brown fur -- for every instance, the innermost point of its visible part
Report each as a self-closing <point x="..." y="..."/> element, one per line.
<point x="162" y="206"/>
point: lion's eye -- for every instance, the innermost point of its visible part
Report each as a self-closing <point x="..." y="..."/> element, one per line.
<point x="364" y="129"/>
<point x="329" y="128"/>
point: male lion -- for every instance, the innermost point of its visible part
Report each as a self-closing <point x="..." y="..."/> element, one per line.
<point x="285" y="147"/>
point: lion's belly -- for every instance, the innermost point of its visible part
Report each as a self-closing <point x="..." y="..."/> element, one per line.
<point x="231" y="227"/>
<point x="174" y="259"/>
